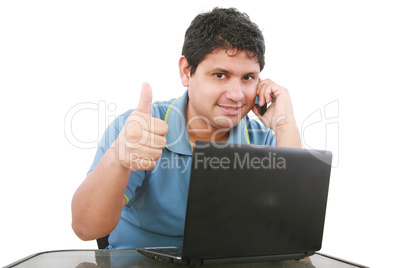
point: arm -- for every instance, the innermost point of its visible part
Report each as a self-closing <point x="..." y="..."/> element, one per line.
<point x="279" y="115"/>
<point x="98" y="202"/>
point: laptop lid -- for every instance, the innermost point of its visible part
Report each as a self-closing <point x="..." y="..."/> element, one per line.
<point x="249" y="200"/>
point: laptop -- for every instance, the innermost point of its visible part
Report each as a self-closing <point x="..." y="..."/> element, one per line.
<point x="250" y="203"/>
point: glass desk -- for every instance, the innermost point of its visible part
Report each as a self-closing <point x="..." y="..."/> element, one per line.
<point x="131" y="258"/>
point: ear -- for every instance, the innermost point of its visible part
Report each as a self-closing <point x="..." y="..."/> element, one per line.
<point x="184" y="71"/>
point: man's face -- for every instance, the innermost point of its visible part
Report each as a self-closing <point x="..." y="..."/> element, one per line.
<point x="222" y="90"/>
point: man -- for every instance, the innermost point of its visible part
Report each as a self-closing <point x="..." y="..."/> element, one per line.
<point x="136" y="189"/>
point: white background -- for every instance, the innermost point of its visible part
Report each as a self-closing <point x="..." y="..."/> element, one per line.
<point x="54" y="55"/>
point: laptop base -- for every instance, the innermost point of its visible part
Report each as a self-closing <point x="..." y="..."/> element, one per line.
<point x="172" y="255"/>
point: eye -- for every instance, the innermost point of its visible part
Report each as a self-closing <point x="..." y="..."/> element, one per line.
<point x="220" y="75"/>
<point x="248" y="77"/>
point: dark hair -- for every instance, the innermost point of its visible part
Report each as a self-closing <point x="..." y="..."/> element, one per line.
<point x="226" y="29"/>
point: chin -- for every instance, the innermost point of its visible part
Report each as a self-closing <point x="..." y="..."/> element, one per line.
<point x="226" y="123"/>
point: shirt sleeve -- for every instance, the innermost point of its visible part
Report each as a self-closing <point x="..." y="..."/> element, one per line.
<point x="109" y="136"/>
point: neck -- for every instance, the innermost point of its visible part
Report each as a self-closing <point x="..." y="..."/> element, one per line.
<point x="199" y="129"/>
<point x="204" y="134"/>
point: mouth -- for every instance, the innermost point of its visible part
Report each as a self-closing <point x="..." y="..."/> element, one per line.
<point x="230" y="109"/>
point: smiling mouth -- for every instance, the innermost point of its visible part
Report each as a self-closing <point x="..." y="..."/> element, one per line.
<point x="230" y="107"/>
<point x="230" y="110"/>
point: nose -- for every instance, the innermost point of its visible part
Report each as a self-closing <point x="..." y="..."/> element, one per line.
<point x="235" y="92"/>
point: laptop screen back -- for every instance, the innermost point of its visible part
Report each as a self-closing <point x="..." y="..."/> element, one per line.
<point x="247" y="200"/>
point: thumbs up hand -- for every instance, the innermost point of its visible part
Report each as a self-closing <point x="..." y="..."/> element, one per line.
<point x="140" y="142"/>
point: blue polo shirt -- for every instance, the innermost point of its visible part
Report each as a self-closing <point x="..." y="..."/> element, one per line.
<point x="155" y="212"/>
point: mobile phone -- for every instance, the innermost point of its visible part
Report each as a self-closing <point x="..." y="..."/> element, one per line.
<point x="262" y="109"/>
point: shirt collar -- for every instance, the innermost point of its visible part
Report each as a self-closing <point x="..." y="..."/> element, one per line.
<point x="177" y="138"/>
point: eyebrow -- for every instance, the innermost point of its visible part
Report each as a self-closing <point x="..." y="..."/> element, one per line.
<point x="224" y="71"/>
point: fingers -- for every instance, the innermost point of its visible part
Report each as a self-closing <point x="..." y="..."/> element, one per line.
<point x="135" y="138"/>
<point x="141" y="130"/>
<point x="264" y="91"/>
<point x="264" y="120"/>
<point x="158" y="126"/>
<point x="267" y="91"/>
<point x="279" y="111"/>
<point x="140" y="152"/>
<point x="146" y="153"/>
<point x="151" y="124"/>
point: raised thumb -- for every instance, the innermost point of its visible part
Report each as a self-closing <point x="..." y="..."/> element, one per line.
<point x="145" y="99"/>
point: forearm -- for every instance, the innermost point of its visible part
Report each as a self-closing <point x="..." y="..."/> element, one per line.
<point x="98" y="202"/>
<point x="288" y="135"/>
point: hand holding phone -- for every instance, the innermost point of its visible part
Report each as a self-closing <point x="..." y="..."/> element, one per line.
<point x="261" y="109"/>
